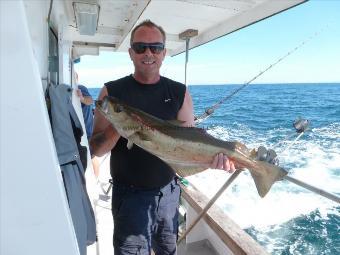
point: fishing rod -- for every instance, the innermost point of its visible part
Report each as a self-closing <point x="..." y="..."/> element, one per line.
<point x="300" y="125"/>
<point x="210" y="110"/>
<point x="312" y="188"/>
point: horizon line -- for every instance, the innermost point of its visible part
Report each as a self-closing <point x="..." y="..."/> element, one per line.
<point x="240" y="84"/>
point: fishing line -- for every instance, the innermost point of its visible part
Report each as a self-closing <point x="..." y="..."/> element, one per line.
<point x="301" y="125"/>
<point x="295" y="140"/>
<point x="210" y="110"/>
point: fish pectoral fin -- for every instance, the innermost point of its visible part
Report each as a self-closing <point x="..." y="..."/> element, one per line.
<point x="129" y="144"/>
<point x="128" y="132"/>
<point x="265" y="175"/>
<point x="185" y="171"/>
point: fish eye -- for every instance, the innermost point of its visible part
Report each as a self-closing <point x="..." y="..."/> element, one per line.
<point x="118" y="108"/>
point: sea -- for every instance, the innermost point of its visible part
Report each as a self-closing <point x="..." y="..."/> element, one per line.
<point x="289" y="220"/>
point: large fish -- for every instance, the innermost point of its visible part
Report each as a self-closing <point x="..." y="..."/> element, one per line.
<point x="188" y="150"/>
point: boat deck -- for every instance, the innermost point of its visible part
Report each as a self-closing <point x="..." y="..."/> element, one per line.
<point x="203" y="247"/>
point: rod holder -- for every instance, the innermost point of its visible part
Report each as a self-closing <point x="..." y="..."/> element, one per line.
<point x="187" y="34"/>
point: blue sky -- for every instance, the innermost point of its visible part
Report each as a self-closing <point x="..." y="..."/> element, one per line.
<point x="238" y="57"/>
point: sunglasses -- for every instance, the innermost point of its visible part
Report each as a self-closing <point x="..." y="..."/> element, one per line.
<point x="140" y="47"/>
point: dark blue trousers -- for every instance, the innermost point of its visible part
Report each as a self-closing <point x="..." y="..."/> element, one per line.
<point x="145" y="219"/>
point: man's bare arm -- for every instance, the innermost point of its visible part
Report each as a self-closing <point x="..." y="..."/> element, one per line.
<point x="186" y="113"/>
<point x="103" y="142"/>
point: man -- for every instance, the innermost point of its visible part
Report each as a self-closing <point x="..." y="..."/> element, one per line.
<point x="145" y="193"/>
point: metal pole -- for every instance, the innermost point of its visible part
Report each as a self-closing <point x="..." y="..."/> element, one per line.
<point x="186" y="35"/>
<point x="210" y="203"/>
<point x="95" y="202"/>
<point x="187" y="40"/>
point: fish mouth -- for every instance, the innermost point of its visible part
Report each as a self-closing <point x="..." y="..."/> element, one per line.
<point x="103" y="104"/>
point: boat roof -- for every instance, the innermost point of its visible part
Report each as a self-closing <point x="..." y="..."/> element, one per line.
<point x="211" y="18"/>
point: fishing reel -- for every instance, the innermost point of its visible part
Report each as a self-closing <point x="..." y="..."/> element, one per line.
<point x="270" y="156"/>
<point x="300" y="125"/>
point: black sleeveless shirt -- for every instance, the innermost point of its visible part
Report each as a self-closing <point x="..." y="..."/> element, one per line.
<point x="135" y="166"/>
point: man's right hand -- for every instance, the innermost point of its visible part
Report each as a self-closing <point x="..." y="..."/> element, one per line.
<point x="222" y="162"/>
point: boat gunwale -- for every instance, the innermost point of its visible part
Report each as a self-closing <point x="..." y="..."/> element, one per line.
<point x="235" y="238"/>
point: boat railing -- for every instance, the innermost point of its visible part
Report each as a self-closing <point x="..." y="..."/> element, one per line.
<point x="233" y="237"/>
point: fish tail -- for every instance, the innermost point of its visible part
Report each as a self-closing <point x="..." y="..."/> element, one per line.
<point x="265" y="174"/>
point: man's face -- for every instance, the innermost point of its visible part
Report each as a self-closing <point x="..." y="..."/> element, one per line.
<point x="147" y="64"/>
